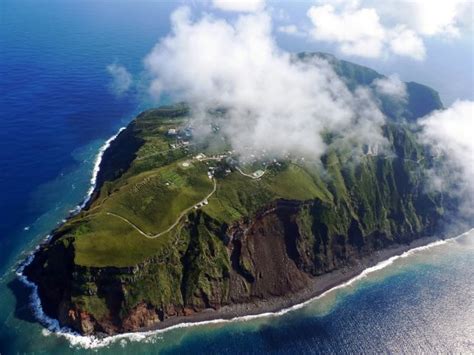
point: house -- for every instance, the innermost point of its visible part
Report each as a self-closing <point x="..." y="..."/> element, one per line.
<point x="258" y="173"/>
<point x="172" y="132"/>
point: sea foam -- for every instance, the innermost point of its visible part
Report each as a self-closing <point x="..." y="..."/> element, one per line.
<point x="93" y="342"/>
<point x="52" y="326"/>
<point x="95" y="171"/>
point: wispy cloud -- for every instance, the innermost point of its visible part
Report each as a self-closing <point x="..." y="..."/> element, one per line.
<point x="239" y="5"/>
<point x="272" y="102"/>
<point x="291" y="30"/>
<point x="450" y="134"/>
<point x="378" y="29"/>
<point x="122" y="80"/>
<point x="359" y="31"/>
<point x="391" y="86"/>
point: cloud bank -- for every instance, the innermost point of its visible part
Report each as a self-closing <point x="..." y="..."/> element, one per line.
<point x="358" y="31"/>
<point x="377" y="29"/>
<point x="121" y="79"/>
<point x="426" y="17"/>
<point x="450" y="134"/>
<point x="272" y="102"/>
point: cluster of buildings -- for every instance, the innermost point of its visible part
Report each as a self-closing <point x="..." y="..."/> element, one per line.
<point x="182" y="136"/>
<point x="201" y="204"/>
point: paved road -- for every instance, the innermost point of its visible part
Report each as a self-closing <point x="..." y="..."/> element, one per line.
<point x="170" y="228"/>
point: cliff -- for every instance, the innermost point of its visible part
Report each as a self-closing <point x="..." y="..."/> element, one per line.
<point x="138" y="256"/>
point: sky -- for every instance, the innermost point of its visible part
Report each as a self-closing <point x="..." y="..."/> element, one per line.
<point x="427" y="41"/>
<point x="238" y="55"/>
<point x="432" y="40"/>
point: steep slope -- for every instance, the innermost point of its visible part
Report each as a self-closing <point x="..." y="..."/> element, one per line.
<point x="160" y="240"/>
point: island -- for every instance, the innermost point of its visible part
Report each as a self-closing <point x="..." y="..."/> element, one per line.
<point x="180" y="229"/>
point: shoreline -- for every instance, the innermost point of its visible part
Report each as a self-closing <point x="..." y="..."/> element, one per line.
<point x="319" y="286"/>
<point x="51" y="324"/>
<point x="95" y="170"/>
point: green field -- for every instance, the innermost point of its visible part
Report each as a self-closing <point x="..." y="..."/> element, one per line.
<point x="126" y="222"/>
<point x="152" y="201"/>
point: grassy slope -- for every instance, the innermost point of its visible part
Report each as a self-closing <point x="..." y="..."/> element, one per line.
<point x="369" y="204"/>
<point x="156" y="188"/>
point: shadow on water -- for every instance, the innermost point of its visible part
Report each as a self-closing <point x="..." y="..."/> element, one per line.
<point x="4" y="343"/>
<point x="22" y="295"/>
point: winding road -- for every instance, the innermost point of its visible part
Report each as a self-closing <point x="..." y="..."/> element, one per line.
<point x="248" y="175"/>
<point x="170" y="228"/>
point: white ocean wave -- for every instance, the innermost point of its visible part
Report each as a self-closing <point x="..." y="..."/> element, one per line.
<point x="93" y="342"/>
<point x="96" y="169"/>
<point x="52" y="326"/>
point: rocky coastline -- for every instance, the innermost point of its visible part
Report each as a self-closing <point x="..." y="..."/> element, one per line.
<point x="278" y="252"/>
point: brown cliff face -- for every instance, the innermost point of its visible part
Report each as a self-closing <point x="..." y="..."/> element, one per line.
<point x="275" y="253"/>
<point x="264" y="257"/>
<point x="142" y="316"/>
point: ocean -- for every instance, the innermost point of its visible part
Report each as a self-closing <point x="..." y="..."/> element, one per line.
<point x="57" y="111"/>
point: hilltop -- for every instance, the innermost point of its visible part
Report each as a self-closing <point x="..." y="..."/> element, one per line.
<point x="178" y="225"/>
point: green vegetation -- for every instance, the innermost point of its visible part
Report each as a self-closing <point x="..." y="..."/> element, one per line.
<point x="166" y="179"/>
<point x="153" y="201"/>
<point x="156" y="187"/>
<point x="159" y="230"/>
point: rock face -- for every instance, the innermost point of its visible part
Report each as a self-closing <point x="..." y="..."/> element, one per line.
<point x="276" y="251"/>
<point x="273" y="253"/>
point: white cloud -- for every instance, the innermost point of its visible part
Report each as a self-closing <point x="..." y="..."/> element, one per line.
<point x="450" y="133"/>
<point x="426" y="17"/>
<point x="121" y="78"/>
<point x="391" y="86"/>
<point x="291" y="30"/>
<point x="373" y="29"/>
<point x="272" y="102"/>
<point x="405" y="42"/>
<point x="357" y="31"/>
<point x="239" y="5"/>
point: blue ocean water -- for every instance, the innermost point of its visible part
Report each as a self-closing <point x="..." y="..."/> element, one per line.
<point x="56" y="110"/>
<point x="55" y="96"/>
<point x="419" y="303"/>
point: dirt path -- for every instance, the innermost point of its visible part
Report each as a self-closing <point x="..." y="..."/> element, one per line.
<point x="170" y="228"/>
<point x="248" y="175"/>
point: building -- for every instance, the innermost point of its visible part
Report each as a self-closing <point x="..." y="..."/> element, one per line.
<point x="258" y="173"/>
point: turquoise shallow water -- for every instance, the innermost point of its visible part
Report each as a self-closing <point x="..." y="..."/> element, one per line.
<point x="421" y="302"/>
